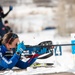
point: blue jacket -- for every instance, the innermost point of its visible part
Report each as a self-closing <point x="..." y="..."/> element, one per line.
<point x="6" y="63"/>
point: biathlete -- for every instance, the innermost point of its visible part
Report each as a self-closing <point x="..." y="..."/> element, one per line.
<point x="10" y="42"/>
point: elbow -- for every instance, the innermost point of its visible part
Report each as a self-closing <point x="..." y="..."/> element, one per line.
<point x="3" y="16"/>
<point x="8" y="66"/>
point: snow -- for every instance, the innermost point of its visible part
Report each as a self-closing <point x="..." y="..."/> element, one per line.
<point x="63" y="63"/>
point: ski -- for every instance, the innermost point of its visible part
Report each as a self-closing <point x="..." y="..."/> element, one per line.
<point x="37" y="65"/>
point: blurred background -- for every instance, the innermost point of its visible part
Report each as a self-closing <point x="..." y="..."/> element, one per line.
<point x="38" y="15"/>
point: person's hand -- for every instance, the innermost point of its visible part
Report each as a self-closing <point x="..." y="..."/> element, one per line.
<point x="20" y="48"/>
<point x="10" y="8"/>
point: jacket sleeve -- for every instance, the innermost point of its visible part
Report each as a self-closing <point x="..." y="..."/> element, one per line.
<point x="30" y="61"/>
<point x="23" y="65"/>
<point x="9" y="64"/>
<point x="4" y="15"/>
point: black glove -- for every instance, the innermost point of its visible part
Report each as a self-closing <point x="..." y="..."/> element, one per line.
<point x="10" y="8"/>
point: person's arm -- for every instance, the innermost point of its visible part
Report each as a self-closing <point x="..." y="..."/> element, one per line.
<point x="23" y="65"/>
<point x="9" y="64"/>
<point x="32" y="60"/>
<point x="4" y="15"/>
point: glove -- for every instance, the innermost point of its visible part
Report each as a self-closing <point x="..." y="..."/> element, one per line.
<point x="20" y="48"/>
<point x="10" y="8"/>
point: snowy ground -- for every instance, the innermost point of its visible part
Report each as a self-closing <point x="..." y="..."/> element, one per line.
<point x="64" y="63"/>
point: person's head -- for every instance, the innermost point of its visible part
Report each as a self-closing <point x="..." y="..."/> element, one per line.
<point x="10" y="40"/>
<point x="6" y="22"/>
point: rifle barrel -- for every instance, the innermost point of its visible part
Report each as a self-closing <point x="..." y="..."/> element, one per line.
<point x="50" y="45"/>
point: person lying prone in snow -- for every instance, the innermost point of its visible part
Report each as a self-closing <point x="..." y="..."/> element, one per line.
<point x="10" y="42"/>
